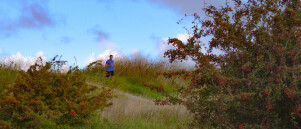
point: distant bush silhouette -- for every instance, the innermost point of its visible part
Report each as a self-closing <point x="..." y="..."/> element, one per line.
<point x="96" y="67"/>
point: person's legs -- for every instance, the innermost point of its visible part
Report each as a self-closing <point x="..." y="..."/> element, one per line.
<point x="104" y="82"/>
<point x="107" y="77"/>
<point x="113" y="78"/>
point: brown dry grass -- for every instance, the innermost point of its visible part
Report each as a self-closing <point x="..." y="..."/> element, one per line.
<point x="125" y="107"/>
<point x="129" y="108"/>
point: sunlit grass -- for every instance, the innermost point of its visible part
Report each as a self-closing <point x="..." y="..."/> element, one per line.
<point x="127" y="112"/>
<point x="137" y="111"/>
<point x="132" y="73"/>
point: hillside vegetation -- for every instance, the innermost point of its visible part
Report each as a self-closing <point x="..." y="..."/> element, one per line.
<point x="138" y="75"/>
<point x="256" y="82"/>
<point x="43" y="97"/>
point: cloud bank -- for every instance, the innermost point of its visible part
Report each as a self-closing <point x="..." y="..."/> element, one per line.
<point x="105" y="56"/>
<point x="20" y="61"/>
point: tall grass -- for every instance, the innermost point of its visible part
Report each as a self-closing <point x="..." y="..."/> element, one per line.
<point x="134" y="73"/>
<point x="139" y="75"/>
<point x="136" y="112"/>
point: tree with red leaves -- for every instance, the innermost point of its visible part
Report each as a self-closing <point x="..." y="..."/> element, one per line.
<point x="256" y="81"/>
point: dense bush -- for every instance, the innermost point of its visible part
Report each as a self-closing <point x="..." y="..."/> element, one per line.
<point x="42" y="97"/>
<point x="256" y="82"/>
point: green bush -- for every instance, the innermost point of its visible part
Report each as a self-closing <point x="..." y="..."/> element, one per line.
<point x="256" y="81"/>
<point x="44" y="98"/>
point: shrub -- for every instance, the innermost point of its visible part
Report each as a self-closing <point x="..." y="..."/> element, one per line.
<point x="256" y="82"/>
<point x="42" y="97"/>
<point x="95" y="67"/>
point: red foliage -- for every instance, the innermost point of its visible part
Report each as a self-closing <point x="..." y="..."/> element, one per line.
<point x="257" y="79"/>
<point x="154" y="87"/>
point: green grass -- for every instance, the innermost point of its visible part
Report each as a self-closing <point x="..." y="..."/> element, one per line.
<point x="141" y="124"/>
<point x="161" y="119"/>
<point x="140" y="90"/>
<point x="125" y="84"/>
<point x="135" y="86"/>
<point x="132" y="73"/>
<point x="130" y="81"/>
<point x="7" y="75"/>
<point x="137" y="123"/>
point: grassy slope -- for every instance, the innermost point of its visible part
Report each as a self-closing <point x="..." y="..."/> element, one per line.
<point x="129" y="113"/>
<point x="133" y="73"/>
<point x="154" y="117"/>
<point x="136" y="87"/>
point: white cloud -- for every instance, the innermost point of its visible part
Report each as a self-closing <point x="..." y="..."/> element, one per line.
<point x="40" y="54"/>
<point x="164" y="46"/>
<point x="134" y="51"/>
<point x="64" y="69"/>
<point x="183" y="37"/>
<point x="105" y="56"/>
<point x="21" y="61"/>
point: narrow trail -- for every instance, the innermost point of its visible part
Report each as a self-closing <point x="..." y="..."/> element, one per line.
<point x="118" y="92"/>
<point x="127" y="107"/>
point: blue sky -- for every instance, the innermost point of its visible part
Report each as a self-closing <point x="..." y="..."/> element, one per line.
<point x="85" y="28"/>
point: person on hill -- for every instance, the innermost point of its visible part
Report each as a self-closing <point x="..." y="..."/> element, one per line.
<point x="110" y="69"/>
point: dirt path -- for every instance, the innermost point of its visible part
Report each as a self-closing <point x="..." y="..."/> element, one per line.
<point x="127" y="107"/>
<point x="118" y="92"/>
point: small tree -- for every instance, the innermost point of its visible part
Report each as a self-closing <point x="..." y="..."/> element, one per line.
<point x="256" y="82"/>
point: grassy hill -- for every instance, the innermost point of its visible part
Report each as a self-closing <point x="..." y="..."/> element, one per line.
<point x="138" y="83"/>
